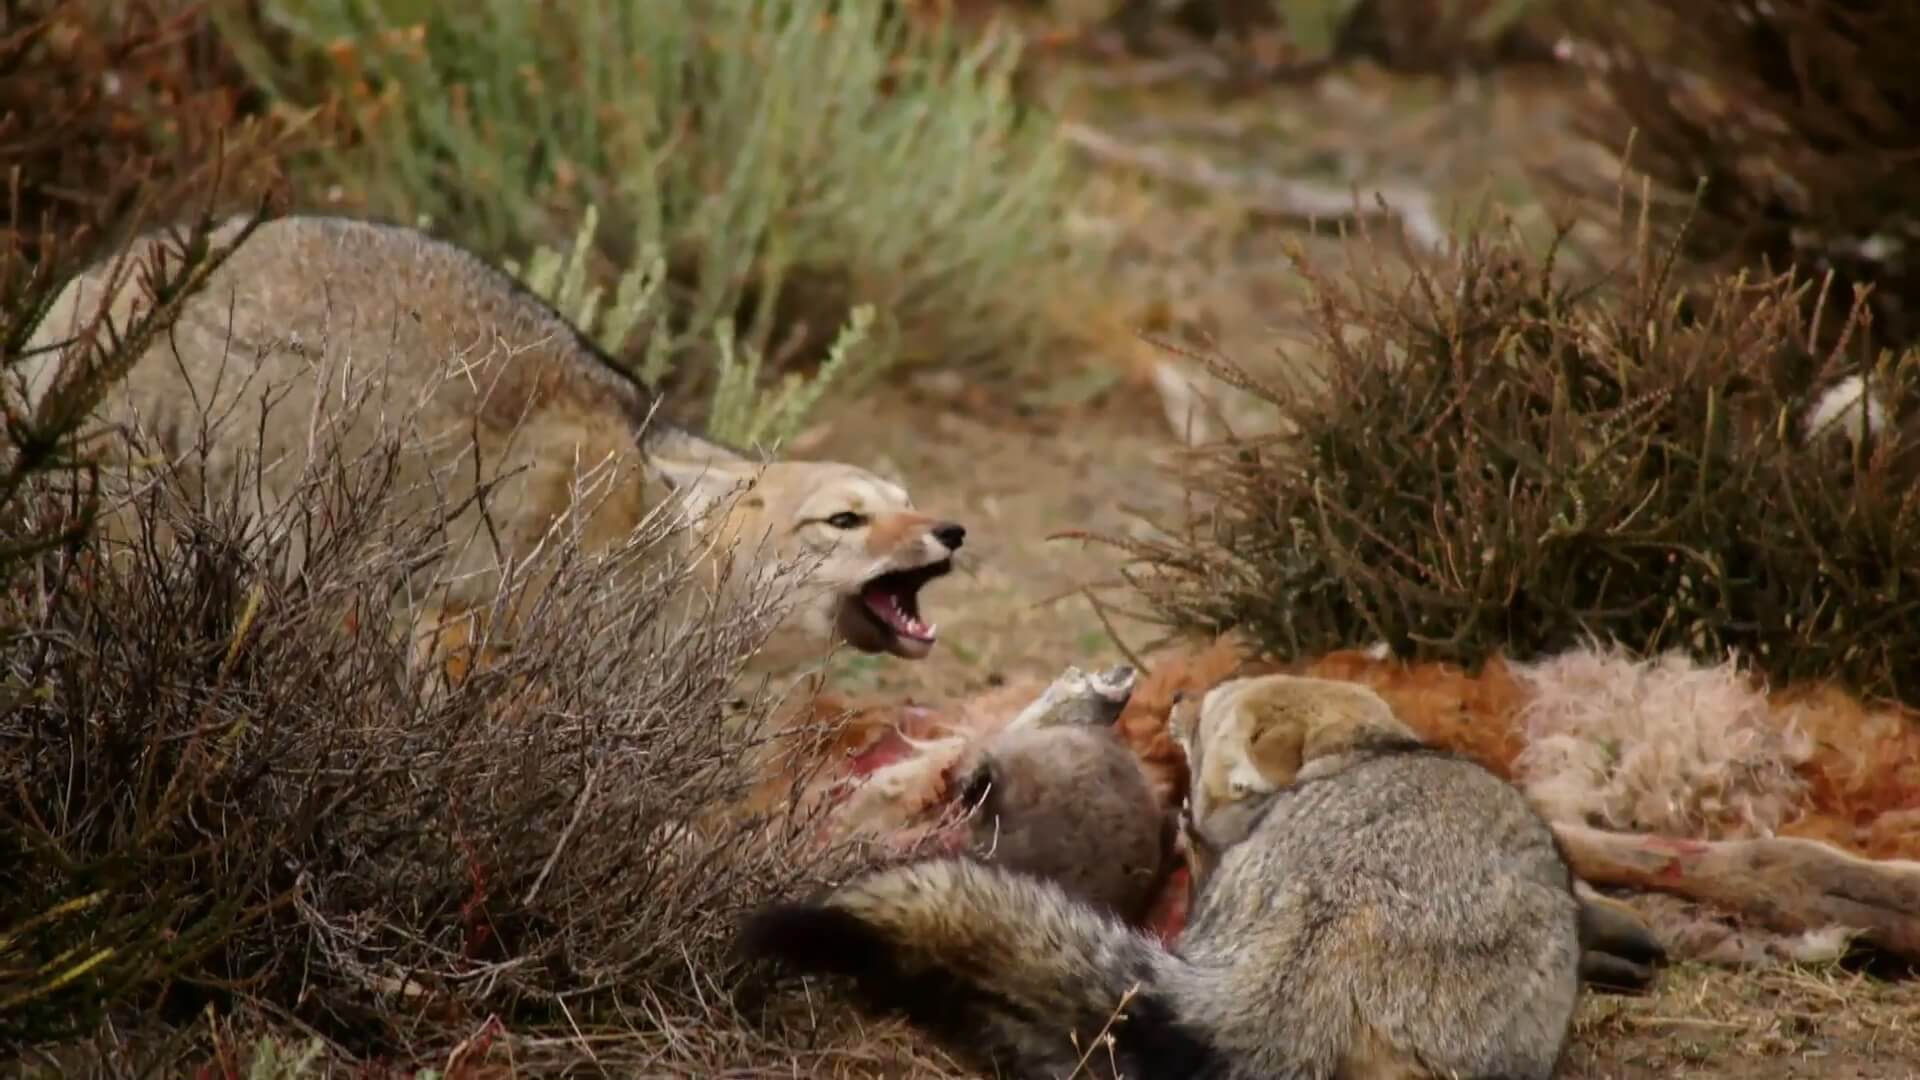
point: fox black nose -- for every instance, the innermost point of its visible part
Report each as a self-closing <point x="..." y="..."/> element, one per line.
<point x="950" y="533"/>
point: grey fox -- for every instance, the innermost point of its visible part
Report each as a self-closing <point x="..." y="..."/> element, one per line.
<point x="1070" y="803"/>
<point x="1390" y="911"/>
<point x="1292" y="726"/>
<point x="360" y="328"/>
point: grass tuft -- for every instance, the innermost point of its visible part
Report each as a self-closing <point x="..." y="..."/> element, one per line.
<point x="791" y="161"/>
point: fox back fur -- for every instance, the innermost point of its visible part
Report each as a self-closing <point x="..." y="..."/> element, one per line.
<point x="1392" y="911"/>
<point x="320" y="337"/>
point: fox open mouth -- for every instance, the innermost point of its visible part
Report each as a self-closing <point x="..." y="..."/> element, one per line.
<point x="885" y="616"/>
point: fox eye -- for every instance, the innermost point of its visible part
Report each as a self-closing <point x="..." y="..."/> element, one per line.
<point x="847" y="519"/>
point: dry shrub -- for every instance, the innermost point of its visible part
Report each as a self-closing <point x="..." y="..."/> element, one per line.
<point x="1801" y="117"/>
<point x="224" y="786"/>
<point x="112" y="117"/>
<point x="1500" y="461"/>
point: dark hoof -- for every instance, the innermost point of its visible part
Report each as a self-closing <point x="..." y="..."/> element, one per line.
<point x="1609" y="974"/>
<point x="1620" y="952"/>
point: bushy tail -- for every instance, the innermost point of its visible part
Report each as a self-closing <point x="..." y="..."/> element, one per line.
<point x="1003" y="967"/>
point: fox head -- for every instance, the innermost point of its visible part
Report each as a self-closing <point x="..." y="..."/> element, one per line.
<point x="1249" y="737"/>
<point x="1068" y="802"/>
<point x="853" y="549"/>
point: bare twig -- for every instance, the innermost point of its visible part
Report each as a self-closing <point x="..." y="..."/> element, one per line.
<point x="1266" y="194"/>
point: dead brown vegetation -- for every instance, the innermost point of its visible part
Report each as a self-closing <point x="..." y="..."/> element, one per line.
<point x="1501" y="461"/>
<point x="1800" y="118"/>
<point x="110" y="112"/>
<point x="226" y="788"/>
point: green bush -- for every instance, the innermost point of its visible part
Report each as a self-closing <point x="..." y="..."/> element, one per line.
<point x="743" y="411"/>
<point x="792" y="160"/>
<point x="1502" y="462"/>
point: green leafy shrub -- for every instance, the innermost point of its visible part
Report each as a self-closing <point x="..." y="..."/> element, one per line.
<point x="743" y="411"/>
<point x="1503" y="462"/>
<point x="1800" y="117"/>
<point x="791" y="160"/>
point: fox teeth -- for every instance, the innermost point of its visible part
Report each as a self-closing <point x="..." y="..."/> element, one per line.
<point x="889" y="605"/>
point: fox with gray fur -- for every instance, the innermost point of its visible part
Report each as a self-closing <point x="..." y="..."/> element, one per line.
<point x="1391" y="911"/>
<point x="1068" y="802"/>
<point x="321" y="337"/>
<point x="1249" y="752"/>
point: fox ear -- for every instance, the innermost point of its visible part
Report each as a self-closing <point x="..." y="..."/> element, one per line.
<point x="1358" y="720"/>
<point x="1278" y="747"/>
<point x="701" y="484"/>
<point x="671" y="442"/>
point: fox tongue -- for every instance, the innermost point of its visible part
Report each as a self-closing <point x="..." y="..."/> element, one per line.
<point x="889" y="606"/>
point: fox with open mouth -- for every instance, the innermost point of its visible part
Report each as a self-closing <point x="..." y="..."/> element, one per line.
<point x="373" y="328"/>
<point x="867" y="551"/>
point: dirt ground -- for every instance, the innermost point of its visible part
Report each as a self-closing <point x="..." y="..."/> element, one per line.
<point x="1016" y="471"/>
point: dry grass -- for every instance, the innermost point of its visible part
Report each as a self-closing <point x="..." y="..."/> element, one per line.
<point x="249" y="1042"/>
<point x="1784" y="1021"/>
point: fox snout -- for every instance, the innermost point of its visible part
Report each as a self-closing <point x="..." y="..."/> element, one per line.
<point x="897" y="531"/>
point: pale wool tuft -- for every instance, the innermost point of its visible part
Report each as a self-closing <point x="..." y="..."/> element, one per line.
<point x="1662" y="746"/>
